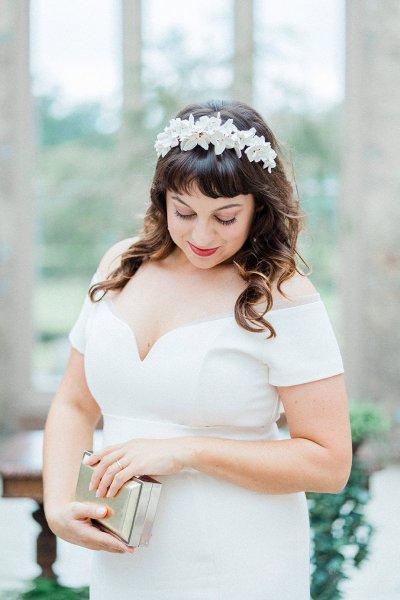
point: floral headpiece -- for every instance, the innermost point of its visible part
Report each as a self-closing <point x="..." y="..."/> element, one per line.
<point x="209" y="130"/>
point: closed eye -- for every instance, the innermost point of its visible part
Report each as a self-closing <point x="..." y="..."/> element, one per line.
<point x="228" y="222"/>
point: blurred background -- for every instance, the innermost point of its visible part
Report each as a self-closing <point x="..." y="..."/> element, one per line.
<point x="84" y="89"/>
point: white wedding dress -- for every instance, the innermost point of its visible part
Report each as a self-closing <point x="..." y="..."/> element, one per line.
<point x="211" y="540"/>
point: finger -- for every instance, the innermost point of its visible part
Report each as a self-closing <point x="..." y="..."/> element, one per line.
<point x="102" y="540"/>
<point x="118" y="481"/>
<point x="105" y="481"/>
<point x="114" y="477"/>
<point x="99" y="454"/>
<point x="86" y="511"/>
<point x="89" y="510"/>
<point x="99" y="471"/>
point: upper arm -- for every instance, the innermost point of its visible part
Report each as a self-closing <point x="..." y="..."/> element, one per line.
<point x="74" y="391"/>
<point x="306" y="367"/>
<point x="318" y="411"/>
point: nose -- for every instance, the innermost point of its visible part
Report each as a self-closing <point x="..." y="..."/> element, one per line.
<point x="203" y="235"/>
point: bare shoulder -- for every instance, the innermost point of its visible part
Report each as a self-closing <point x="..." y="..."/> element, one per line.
<point x="111" y="257"/>
<point x="297" y="285"/>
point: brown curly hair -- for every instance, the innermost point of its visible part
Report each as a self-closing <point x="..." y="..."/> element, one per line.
<point x="277" y="218"/>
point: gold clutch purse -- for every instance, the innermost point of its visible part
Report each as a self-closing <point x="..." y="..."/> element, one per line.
<point x="131" y="511"/>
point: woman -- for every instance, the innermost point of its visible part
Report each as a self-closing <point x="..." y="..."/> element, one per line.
<point x="205" y="331"/>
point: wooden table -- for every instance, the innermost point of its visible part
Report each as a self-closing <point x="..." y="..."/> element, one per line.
<point x="21" y="474"/>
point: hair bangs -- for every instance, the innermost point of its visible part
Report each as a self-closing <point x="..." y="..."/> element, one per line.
<point x="216" y="176"/>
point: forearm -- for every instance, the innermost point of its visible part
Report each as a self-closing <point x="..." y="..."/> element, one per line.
<point x="272" y="467"/>
<point x="68" y="432"/>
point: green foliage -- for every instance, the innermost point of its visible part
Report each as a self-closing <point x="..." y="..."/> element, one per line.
<point x="311" y="143"/>
<point x="42" y="588"/>
<point x="314" y="140"/>
<point x="57" y="126"/>
<point x="341" y="533"/>
<point x="76" y="206"/>
<point x="339" y="526"/>
<point x="367" y="421"/>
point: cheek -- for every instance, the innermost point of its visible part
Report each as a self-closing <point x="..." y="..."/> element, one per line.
<point x="238" y="234"/>
<point x="246" y="229"/>
<point x="177" y="226"/>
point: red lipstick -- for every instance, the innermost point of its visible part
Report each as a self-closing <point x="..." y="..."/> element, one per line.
<point x="203" y="251"/>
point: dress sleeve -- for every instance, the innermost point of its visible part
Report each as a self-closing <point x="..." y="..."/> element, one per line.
<point x="77" y="335"/>
<point x="305" y="348"/>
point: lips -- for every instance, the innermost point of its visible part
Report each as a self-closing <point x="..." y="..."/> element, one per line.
<point x="203" y="251"/>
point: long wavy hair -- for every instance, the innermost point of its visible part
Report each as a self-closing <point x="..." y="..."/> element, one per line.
<point x="269" y="252"/>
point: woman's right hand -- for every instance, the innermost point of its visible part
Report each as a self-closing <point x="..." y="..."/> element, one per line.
<point x="72" y="522"/>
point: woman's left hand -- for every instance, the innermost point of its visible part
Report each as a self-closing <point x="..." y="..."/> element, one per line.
<point x="137" y="457"/>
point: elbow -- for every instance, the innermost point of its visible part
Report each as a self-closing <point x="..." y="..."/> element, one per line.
<point x="332" y="485"/>
<point x="338" y="488"/>
<point x="342" y="483"/>
<point x="339" y="477"/>
<point x="333" y="472"/>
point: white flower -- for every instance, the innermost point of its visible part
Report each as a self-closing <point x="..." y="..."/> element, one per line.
<point x="220" y="141"/>
<point x="239" y="139"/>
<point x="209" y="124"/>
<point x="261" y="150"/>
<point x="210" y="130"/>
<point x="165" y="141"/>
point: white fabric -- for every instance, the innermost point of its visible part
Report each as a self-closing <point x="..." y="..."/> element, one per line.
<point x="212" y="540"/>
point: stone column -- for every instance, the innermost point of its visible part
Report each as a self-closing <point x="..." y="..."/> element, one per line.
<point x="243" y="67"/>
<point x="132" y="54"/>
<point x="130" y="187"/>
<point x="370" y="203"/>
<point x="16" y="223"/>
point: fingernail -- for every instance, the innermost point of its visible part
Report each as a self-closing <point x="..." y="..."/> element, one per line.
<point x="98" y="494"/>
<point x="100" y="510"/>
<point x="90" y="486"/>
<point x="130" y="550"/>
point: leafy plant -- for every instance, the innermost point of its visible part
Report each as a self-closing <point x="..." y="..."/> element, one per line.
<point x="341" y="533"/>
<point x="43" y="588"/>
<point x="367" y="421"/>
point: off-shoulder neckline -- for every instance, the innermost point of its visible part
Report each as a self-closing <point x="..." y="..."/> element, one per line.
<point x="113" y="312"/>
<point x="314" y="298"/>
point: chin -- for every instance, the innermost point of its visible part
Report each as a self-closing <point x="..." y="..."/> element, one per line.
<point x="200" y="263"/>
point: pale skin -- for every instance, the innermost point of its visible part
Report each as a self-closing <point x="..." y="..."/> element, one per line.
<point x="317" y="457"/>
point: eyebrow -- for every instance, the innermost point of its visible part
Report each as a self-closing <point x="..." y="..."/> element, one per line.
<point x="216" y="210"/>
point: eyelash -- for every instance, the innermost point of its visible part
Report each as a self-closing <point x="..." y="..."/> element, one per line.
<point x="229" y="222"/>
